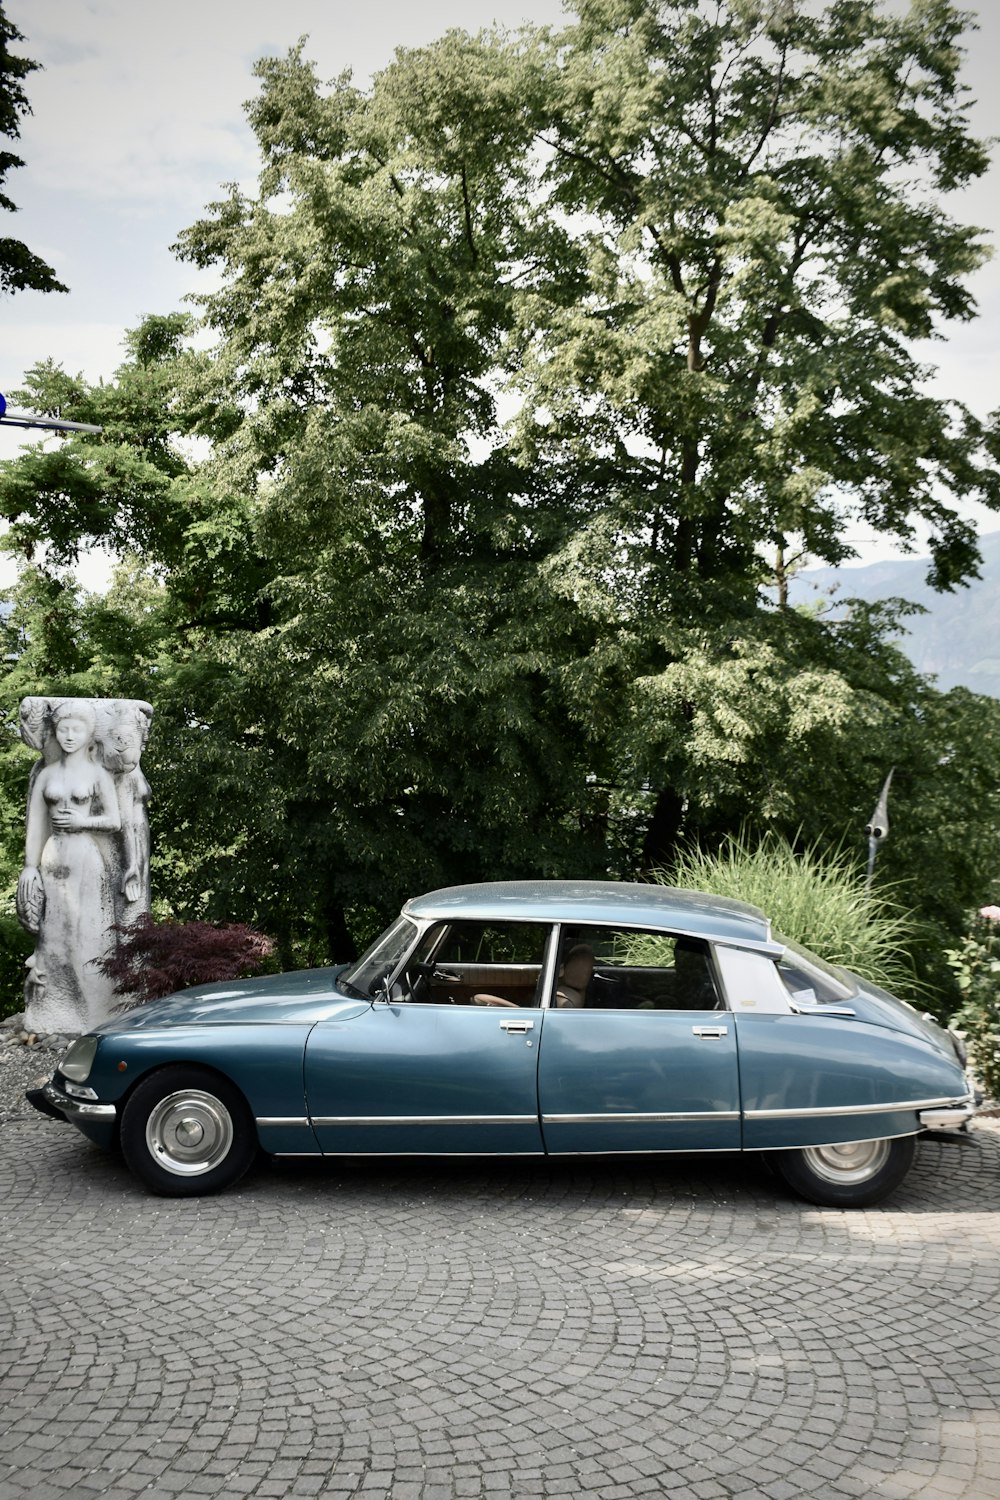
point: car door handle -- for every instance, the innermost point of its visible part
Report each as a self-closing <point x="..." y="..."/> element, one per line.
<point x="519" y="1026"/>
<point x="710" y="1031"/>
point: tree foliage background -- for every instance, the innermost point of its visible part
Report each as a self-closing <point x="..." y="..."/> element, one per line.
<point x="20" y="269"/>
<point x="535" y="367"/>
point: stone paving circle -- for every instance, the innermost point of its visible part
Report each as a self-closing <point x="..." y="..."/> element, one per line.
<point x="610" y="1328"/>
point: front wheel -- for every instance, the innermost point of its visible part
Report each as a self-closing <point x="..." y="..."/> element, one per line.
<point x="186" y="1131"/>
<point x="853" y="1175"/>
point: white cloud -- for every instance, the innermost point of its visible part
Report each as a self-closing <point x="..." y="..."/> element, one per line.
<point x="138" y="101"/>
<point x="135" y="100"/>
<point x="93" y="350"/>
<point x="93" y="572"/>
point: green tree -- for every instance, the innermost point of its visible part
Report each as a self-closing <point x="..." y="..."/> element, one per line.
<point x="369" y="298"/>
<point x="525" y="358"/>
<point x="20" y="269"/>
<point x="171" y="627"/>
<point x="766" y="236"/>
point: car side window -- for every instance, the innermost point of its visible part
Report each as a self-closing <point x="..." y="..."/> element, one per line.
<point x="479" y="963"/>
<point x="612" y="968"/>
<point x="805" y="981"/>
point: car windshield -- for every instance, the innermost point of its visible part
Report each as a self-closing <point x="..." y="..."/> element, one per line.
<point x="812" y="978"/>
<point x="369" y="974"/>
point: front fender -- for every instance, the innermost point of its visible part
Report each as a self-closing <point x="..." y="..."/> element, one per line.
<point x="265" y="1062"/>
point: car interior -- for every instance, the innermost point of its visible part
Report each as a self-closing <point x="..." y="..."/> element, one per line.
<point x="600" y="968"/>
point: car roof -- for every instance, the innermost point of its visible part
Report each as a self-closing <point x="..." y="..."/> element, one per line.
<point x="597" y="901"/>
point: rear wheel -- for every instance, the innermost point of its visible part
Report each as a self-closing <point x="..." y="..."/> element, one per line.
<point x="852" y="1175"/>
<point x="186" y="1131"/>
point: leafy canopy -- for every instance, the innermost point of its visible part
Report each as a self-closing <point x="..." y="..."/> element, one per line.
<point x="454" y="555"/>
<point x="20" y="269"/>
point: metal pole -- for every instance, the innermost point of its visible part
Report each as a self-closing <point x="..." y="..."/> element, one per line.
<point x="47" y="424"/>
<point x="877" y="829"/>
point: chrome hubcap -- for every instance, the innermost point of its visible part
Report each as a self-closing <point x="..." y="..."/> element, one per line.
<point x="189" y="1132"/>
<point x="855" y="1161"/>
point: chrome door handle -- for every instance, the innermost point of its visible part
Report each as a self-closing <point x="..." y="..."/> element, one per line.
<point x="519" y="1027"/>
<point x="710" y="1031"/>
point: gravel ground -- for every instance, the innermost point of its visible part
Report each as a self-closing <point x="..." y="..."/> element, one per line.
<point x="25" y="1062"/>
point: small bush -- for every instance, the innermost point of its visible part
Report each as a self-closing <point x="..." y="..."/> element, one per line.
<point x="976" y="965"/>
<point x="15" y="947"/>
<point x="814" y="897"/>
<point x="154" y="959"/>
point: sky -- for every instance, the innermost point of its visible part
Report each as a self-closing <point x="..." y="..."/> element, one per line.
<point x="138" y="120"/>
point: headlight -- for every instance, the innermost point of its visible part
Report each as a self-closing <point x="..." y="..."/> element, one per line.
<point x="79" y="1059"/>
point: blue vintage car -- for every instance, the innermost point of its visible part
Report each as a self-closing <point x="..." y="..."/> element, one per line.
<point x="530" y="1018"/>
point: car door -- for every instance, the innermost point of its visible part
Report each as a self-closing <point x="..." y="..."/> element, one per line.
<point x="429" y="1071"/>
<point x="643" y="1058"/>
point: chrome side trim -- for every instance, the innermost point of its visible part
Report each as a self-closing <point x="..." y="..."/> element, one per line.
<point x="505" y="1155"/>
<point x="659" y="1117"/>
<point x="820" y="1008"/>
<point x="651" y="1151"/>
<point x="77" y="1109"/>
<point x="424" y="1120"/>
<point x="460" y="1155"/>
<point x="890" y="1106"/>
<point x="283" y="1120"/>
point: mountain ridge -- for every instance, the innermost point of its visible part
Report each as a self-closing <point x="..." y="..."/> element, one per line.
<point x="957" y="638"/>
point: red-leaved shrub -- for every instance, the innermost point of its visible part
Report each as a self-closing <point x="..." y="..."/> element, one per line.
<point x="153" y="959"/>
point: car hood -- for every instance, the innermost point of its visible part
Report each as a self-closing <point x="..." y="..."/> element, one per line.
<point x="307" y="996"/>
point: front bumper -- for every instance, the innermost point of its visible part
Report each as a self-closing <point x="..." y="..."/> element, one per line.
<point x="53" y="1101"/>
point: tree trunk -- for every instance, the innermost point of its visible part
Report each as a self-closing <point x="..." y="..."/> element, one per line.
<point x="342" y="946"/>
<point x="663" y="833"/>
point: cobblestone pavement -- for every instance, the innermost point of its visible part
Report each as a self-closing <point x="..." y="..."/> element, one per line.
<point x="611" y="1329"/>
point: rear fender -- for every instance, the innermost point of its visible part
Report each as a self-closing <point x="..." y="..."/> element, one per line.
<point x="811" y="1080"/>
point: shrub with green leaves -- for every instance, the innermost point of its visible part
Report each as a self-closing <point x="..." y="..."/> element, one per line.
<point x="15" y="946"/>
<point x="815" y="897"/>
<point x="976" y="965"/>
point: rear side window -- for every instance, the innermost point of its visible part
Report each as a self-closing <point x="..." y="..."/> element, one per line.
<point x="620" y="968"/>
<point x="806" y="977"/>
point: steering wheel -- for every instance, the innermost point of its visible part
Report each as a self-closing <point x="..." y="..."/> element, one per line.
<point x="418" y="977"/>
<point x="416" y="981"/>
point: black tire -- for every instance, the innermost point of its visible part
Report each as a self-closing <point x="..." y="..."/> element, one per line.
<point x="853" y="1175"/>
<point x="186" y="1131"/>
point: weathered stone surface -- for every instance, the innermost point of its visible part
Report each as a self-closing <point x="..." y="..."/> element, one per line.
<point x="86" y="863"/>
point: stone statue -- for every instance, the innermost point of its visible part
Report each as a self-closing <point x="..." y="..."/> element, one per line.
<point x="121" y="743"/>
<point x="86" y="852"/>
